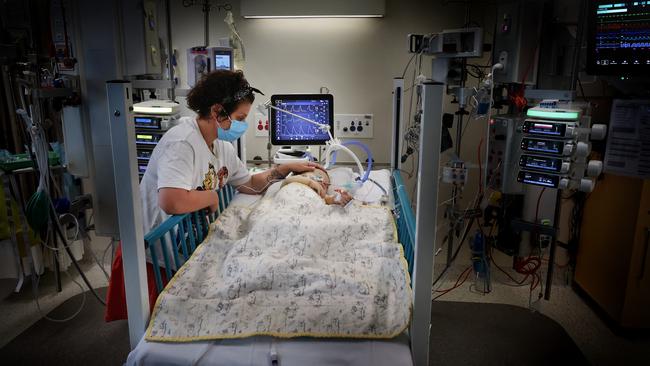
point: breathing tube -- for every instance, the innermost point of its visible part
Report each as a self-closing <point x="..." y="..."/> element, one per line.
<point x="365" y="148"/>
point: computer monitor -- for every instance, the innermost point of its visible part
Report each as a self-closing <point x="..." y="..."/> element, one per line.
<point x="221" y="58"/>
<point x="290" y="130"/>
<point x="619" y="38"/>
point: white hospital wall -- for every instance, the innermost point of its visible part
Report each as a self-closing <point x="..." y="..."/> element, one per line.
<point x="355" y="58"/>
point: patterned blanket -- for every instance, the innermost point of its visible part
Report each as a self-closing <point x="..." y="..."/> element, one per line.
<point x="290" y="266"/>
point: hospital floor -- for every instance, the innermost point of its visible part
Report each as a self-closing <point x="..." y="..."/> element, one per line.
<point x="19" y="311"/>
<point x="598" y="343"/>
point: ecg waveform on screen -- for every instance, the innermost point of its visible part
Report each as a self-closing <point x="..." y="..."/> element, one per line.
<point x="623" y="33"/>
<point x="288" y="127"/>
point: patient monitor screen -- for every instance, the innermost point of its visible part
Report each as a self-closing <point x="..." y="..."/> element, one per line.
<point x="288" y="129"/>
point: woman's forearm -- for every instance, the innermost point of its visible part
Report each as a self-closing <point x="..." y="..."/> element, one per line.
<point x="261" y="181"/>
<point x="175" y="201"/>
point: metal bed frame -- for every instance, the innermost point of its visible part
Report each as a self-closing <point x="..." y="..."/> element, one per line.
<point x="416" y="230"/>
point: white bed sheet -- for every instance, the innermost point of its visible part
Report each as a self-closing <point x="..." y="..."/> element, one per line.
<point x="259" y="351"/>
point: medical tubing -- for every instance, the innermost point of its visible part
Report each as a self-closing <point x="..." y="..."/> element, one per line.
<point x="497" y="66"/>
<point x="40" y="154"/>
<point x="338" y="146"/>
<point x="74" y="315"/>
<point x="368" y="154"/>
<point x="57" y="228"/>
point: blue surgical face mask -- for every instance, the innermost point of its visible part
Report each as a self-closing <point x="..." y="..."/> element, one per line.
<point x="236" y="130"/>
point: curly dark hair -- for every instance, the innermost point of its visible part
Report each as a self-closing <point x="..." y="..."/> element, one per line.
<point x="228" y="88"/>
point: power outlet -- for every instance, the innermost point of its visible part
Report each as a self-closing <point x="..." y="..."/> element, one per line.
<point x="353" y="126"/>
<point x="261" y="125"/>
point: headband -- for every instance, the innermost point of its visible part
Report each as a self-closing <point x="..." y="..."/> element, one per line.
<point x="241" y="94"/>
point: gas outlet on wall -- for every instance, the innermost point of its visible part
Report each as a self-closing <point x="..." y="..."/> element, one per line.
<point x="261" y="125"/>
<point x="353" y="126"/>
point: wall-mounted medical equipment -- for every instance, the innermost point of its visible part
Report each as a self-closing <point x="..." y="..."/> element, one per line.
<point x="450" y="43"/>
<point x="202" y="60"/>
<point x="618" y="38"/>
<point x="151" y="119"/>
<point x="516" y="41"/>
<point x="358" y="126"/>
<point x="140" y="37"/>
<point x="503" y="154"/>
<point x="198" y="63"/>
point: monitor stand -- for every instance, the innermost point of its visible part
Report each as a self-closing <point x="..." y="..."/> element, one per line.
<point x="292" y="154"/>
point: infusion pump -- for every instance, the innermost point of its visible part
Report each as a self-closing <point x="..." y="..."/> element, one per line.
<point x="152" y="119"/>
<point x="555" y="147"/>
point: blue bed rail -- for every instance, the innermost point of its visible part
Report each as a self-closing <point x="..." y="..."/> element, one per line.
<point x="186" y="232"/>
<point x="405" y="219"/>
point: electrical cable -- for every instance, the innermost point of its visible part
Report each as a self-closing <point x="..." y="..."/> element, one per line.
<point x="109" y="246"/>
<point x="458" y="283"/>
<point x="379" y="185"/>
<point x="261" y="190"/>
<point x="494" y="67"/>
<point x="38" y="305"/>
<point x="58" y="231"/>
<point x="74" y="238"/>
<point x="92" y="253"/>
<point x="408" y="64"/>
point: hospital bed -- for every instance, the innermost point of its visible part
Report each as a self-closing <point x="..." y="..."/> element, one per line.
<point x="189" y="230"/>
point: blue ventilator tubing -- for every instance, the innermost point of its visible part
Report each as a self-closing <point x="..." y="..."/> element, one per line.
<point x="368" y="153"/>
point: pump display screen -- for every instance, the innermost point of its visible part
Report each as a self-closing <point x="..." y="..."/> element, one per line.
<point x="542" y="146"/>
<point x="544" y="128"/>
<point x="147" y="138"/>
<point x="289" y="129"/>
<point x="222" y="62"/>
<point x="144" y="154"/>
<point x="147" y="122"/>
<point x="539" y="179"/>
<point x="619" y="37"/>
<point x="540" y="163"/>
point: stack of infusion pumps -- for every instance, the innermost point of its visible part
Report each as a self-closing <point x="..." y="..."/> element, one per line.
<point x="152" y="119"/>
<point x="555" y="147"/>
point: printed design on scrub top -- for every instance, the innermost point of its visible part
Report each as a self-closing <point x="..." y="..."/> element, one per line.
<point x="210" y="179"/>
<point x="223" y="176"/>
<point x="290" y="266"/>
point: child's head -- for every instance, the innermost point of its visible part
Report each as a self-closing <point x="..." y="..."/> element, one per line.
<point x="319" y="175"/>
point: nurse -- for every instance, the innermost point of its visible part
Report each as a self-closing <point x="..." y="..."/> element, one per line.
<point x="192" y="161"/>
<point x="196" y="157"/>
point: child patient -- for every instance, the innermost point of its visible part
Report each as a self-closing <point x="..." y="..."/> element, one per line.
<point x="319" y="181"/>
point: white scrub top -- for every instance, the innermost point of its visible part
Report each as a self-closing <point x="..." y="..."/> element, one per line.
<point x="183" y="160"/>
